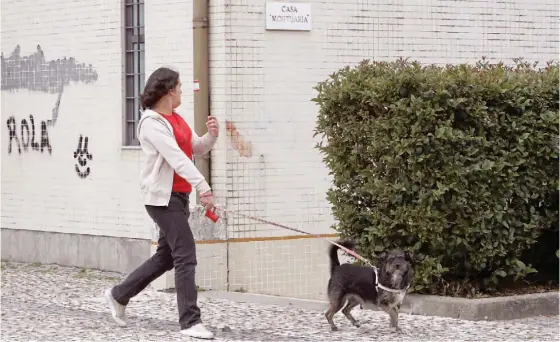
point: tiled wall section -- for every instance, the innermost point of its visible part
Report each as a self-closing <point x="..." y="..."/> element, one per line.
<point x="293" y="268"/>
<point x="262" y="81"/>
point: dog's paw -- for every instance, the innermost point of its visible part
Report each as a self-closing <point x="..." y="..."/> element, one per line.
<point x="356" y="324"/>
<point x="333" y="328"/>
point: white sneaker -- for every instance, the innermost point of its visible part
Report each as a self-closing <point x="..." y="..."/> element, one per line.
<point x="117" y="310"/>
<point x="198" y="331"/>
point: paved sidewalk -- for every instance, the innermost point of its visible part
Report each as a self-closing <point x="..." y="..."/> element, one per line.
<point x="53" y="303"/>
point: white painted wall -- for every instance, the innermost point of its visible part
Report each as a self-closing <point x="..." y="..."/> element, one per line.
<point x="260" y="80"/>
<point x="42" y="191"/>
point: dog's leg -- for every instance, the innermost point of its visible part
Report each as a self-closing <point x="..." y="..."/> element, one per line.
<point x="394" y="315"/>
<point x="352" y="303"/>
<point x="395" y="319"/>
<point x="333" y="308"/>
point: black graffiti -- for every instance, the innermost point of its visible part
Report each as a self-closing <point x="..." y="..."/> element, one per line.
<point x="82" y="155"/>
<point x="25" y="141"/>
<point x="13" y="135"/>
<point x="27" y="135"/>
<point x="34" y="72"/>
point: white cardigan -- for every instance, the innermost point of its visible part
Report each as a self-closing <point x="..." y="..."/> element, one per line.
<point x="164" y="158"/>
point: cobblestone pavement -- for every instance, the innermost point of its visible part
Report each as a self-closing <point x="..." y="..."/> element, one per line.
<point x="53" y="303"/>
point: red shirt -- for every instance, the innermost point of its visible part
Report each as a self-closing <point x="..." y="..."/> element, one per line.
<point x="183" y="135"/>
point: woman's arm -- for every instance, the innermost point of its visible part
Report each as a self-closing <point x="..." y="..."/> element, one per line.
<point x="202" y="145"/>
<point x="159" y="136"/>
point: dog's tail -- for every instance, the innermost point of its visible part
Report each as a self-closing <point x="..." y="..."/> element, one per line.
<point x="334" y="249"/>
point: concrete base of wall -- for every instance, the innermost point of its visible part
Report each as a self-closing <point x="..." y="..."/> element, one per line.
<point x="106" y="253"/>
<point x="292" y="266"/>
<point x="90" y="251"/>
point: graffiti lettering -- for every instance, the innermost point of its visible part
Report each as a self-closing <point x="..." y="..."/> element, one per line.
<point x="34" y="72"/>
<point x="13" y="134"/>
<point x="24" y="137"/>
<point x="82" y="155"/>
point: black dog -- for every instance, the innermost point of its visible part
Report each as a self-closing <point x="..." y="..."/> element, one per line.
<point x="357" y="285"/>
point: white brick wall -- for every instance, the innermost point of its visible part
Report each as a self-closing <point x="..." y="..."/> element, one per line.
<point x="262" y="80"/>
<point x="42" y="191"/>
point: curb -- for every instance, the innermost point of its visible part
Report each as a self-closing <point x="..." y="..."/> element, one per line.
<point x="490" y="309"/>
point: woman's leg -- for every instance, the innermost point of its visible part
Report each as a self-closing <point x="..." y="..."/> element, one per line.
<point x="149" y="271"/>
<point x="118" y="297"/>
<point x="173" y="223"/>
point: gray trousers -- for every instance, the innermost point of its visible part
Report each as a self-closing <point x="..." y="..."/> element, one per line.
<point x="176" y="248"/>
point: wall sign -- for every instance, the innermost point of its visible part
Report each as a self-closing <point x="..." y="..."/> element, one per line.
<point x="288" y="16"/>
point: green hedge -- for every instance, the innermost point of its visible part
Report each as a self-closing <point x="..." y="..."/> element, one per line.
<point x="459" y="164"/>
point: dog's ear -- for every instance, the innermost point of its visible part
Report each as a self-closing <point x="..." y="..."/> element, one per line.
<point x="408" y="257"/>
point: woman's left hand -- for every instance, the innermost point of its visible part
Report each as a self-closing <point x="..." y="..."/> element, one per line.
<point x="213" y="126"/>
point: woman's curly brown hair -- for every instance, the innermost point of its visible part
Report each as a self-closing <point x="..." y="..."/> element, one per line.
<point x="159" y="84"/>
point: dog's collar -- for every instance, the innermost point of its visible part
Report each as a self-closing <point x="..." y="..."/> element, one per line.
<point x="385" y="288"/>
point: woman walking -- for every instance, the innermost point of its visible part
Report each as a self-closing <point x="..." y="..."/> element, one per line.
<point x="167" y="179"/>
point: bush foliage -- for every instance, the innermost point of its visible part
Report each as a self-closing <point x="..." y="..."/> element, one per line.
<point x="458" y="164"/>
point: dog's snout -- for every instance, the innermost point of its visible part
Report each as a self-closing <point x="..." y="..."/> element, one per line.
<point x="398" y="266"/>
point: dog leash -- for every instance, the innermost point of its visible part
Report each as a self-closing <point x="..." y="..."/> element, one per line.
<point x="212" y="215"/>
